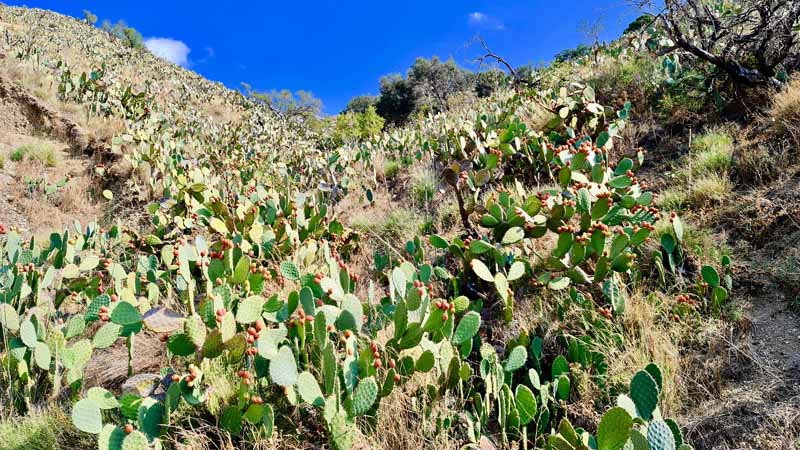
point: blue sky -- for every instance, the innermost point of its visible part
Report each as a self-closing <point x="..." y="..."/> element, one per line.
<point x="338" y="50"/>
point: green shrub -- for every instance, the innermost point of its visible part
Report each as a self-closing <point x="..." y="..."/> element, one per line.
<point x="711" y="152"/>
<point x="391" y="168"/>
<point x="18" y="154"/>
<point x="424" y="185"/>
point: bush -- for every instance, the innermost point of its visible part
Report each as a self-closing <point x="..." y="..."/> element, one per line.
<point x="711" y="152"/>
<point x="18" y="154"/>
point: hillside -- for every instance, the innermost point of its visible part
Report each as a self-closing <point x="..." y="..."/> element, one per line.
<point x="599" y="254"/>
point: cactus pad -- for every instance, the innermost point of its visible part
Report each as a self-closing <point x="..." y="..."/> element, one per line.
<point x="309" y="389"/>
<point x="86" y="416"/>
<point x="125" y="314"/>
<point x="659" y="436"/>
<point x="644" y="393"/>
<point x="614" y="429"/>
<point x="102" y="398"/>
<point x="516" y="359"/>
<point x="525" y="401"/>
<point x="283" y="368"/>
<point x="9" y="319"/>
<point x="364" y="396"/>
<point x="106" y="336"/>
<point x="135" y="441"/>
<point x="467" y="327"/>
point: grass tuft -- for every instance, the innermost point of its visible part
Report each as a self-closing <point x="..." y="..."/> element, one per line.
<point x="47" y="429"/>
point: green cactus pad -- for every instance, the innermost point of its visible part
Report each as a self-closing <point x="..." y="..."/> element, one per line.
<point x="136" y="440"/>
<point x="644" y="393"/>
<point x="231" y="420"/>
<point x="563" y="387"/>
<point x="106" y="335"/>
<point x="425" y="362"/>
<point x="467" y="327"/>
<point x="676" y="431"/>
<point x="86" y="416"/>
<point x="710" y="276"/>
<point x="151" y="414"/>
<point x="76" y="356"/>
<point x="110" y="438"/>
<point x="9" y="319"/>
<point x="614" y="429"/>
<point x="481" y="270"/>
<point x="516" y="359"/>
<point x="249" y="309"/>
<point x="283" y="368"/>
<point x="289" y="271"/>
<point x="27" y="332"/>
<point x="309" y="389"/>
<point x="102" y="398"/>
<point x="41" y="355"/>
<point x="342" y="431"/>
<point x="125" y="314"/>
<point x="268" y="420"/>
<point x="560" y="366"/>
<point x="655" y="372"/>
<point x="364" y="396"/>
<point x="195" y="329"/>
<point x="75" y="326"/>
<point x="227" y="327"/>
<point x="659" y="436"/>
<point x="181" y="345"/>
<point x="525" y="401"/>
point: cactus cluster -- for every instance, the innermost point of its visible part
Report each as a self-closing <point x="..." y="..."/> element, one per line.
<point x="247" y="266"/>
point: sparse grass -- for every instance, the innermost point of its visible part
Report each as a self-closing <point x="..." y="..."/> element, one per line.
<point x="711" y="152"/>
<point x="18" y="154"/>
<point x="391" y="168"/>
<point x="785" y="110"/>
<point x="424" y="184"/>
<point x="398" y="225"/>
<point x="2" y="162"/>
<point x="43" y="153"/>
<point x="47" y="429"/>
<point x="673" y="198"/>
<point x="708" y="189"/>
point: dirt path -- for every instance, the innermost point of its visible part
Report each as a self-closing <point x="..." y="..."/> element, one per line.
<point x="758" y="406"/>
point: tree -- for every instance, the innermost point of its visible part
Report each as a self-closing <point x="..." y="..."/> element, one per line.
<point x="487" y="82"/>
<point x="88" y="17"/>
<point x="396" y="101"/>
<point x="749" y="40"/>
<point x="360" y="103"/>
<point x="434" y="81"/>
<point x="300" y="105"/>
<point x="129" y="35"/>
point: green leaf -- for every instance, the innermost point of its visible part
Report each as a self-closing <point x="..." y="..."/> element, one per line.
<point x="218" y="226"/>
<point x="283" y="368"/>
<point x="467" y="327"/>
<point x="106" y="336"/>
<point x="560" y="366"/>
<point x="290" y="271"/>
<point x="86" y="416"/>
<point x="516" y="359"/>
<point x="241" y="271"/>
<point x="364" y="396"/>
<point x="181" y="345"/>
<point x="309" y="389"/>
<point x="125" y="314"/>
<point x="9" y="319"/>
<point x="102" y="398"/>
<point x="481" y="270"/>
<point x="614" y="429"/>
<point x="478" y="247"/>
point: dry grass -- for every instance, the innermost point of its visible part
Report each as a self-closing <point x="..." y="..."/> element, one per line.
<point x="45" y="429"/>
<point x="648" y="339"/>
<point x="785" y="111"/>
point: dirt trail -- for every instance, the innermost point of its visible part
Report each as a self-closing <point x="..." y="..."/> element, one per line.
<point x="758" y="406"/>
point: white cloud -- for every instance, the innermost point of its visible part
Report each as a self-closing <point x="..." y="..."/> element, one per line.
<point x="172" y="50"/>
<point x="484" y="21"/>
